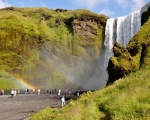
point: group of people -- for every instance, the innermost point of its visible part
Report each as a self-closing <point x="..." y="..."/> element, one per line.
<point x="14" y="93"/>
<point x="32" y="91"/>
<point x="17" y="92"/>
<point x="67" y="92"/>
<point x="52" y="91"/>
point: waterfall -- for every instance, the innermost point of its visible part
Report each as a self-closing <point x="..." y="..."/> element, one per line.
<point x="127" y="26"/>
<point x="120" y="29"/>
<point x="110" y="33"/>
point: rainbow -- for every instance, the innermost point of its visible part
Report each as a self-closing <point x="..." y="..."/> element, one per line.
<point x="23" y="83"/>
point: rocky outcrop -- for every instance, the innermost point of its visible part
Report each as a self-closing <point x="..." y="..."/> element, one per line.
<point x="121" y="64"/>
<point x="82" y="28"/>
<point x="87" y="25"/>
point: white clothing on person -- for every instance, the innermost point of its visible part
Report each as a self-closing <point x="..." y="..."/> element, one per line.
<point x="15" y="92"/>
<point x="38" y="91"/>
<point x="62" y="101"/>
<point x="33" y="91"/>
<point x="59" y="91"/>
<point x="12" y="93"/>
<point x="78" y="94"/>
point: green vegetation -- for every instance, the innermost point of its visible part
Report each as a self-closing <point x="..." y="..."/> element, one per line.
<point x="45" y="46"/>
<point x="8" y="84"/>
<point x="8" y="81"/>
<point x="39" y="43"/>
<point x="126" y="99"/>
<point x="43" y="114"/>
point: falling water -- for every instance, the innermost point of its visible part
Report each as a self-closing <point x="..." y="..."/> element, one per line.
<point x="110" y="33"/>
<point x="120" y="29"/>
<point x="127" y="26"/>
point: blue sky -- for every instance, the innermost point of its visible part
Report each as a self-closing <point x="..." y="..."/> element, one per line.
<point x="111" y="8"/>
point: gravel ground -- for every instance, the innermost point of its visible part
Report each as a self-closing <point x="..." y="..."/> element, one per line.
<point x="22" y="106"/>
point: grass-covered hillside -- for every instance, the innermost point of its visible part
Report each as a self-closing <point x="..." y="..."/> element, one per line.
<point x="49" y="48"/>
<point x="128" y="98"/>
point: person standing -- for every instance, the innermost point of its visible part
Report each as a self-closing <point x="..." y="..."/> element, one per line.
<point x="33" y="91"/>
<point x="39" y="91"/>
<point x="18" y="92"/>
<point x="12" y="93"/>
<point x="47" y="90"/>
<point x="2" y="92"/>
<point x="62" y="101"/>
<point x="59" y="91"/>
<point x="15" y="92"/>
<point x="26" y="91"/>
<point x="78" y="93"/>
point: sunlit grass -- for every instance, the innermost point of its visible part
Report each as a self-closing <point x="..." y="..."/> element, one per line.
<point x="126" y="99"/>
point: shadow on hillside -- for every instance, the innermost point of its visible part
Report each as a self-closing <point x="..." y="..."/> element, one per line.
<point x="106" y="115"/>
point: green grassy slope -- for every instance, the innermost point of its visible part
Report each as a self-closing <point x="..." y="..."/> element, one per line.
<point x="43" y="46"/>
<point x="126" y="99"/>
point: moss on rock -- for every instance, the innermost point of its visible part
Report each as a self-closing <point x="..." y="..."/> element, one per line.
<point x="134" y="56"/>
<point x="121" y="64"/>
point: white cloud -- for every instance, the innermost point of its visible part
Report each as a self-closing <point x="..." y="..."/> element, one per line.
<point x="137" y="4"/>
<point x="4" y="4"/>
<point x="131" y="4"/>
<point x="89" y="3"/>
<point x="123" y="3"/>
<point x="106" y="12"/>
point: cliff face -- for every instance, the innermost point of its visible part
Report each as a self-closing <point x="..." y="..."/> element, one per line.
<point x="49" y="48"/>
<point x="135" y="56"/>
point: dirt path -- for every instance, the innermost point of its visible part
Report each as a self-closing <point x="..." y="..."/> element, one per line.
<point x="22" y="106"/>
